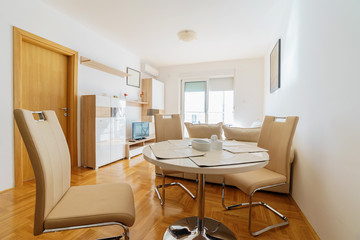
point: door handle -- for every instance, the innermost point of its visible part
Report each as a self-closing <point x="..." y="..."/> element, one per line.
<point x="65" y="110"/>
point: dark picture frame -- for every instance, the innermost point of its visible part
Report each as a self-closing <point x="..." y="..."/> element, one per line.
<point x="134" y="78"/>
<point x="275" y="67"/>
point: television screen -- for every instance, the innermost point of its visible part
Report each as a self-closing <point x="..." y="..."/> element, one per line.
<point x="140" y="130"/>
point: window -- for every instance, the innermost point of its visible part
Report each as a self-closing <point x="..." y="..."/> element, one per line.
<point x="208" y="101"/>
<point x="195" y="101"/>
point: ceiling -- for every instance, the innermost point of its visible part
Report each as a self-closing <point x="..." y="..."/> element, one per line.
<point x="226" y="29"/>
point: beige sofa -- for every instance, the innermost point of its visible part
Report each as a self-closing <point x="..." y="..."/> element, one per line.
<point x="251" y="136"/>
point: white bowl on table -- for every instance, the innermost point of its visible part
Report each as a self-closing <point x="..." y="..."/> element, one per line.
<point x="201" y="145"/>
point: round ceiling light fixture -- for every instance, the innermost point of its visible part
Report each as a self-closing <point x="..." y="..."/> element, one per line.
<point x="187" y="35"/>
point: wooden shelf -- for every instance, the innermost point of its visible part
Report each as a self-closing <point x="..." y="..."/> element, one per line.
<point x="99" y="66"/>
<point x="135" y="148"/>
<point x="137" y="102"/>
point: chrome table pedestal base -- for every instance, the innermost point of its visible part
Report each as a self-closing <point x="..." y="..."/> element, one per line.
<point x="187" y="228"/>
<point x="199" y="227"/>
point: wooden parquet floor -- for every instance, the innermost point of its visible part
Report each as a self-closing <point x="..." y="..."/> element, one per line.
<point x="17" y="207"/>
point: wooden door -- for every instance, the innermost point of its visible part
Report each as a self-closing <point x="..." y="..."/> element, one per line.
<point x="44" y="79"/>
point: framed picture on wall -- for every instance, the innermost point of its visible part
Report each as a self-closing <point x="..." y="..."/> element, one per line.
<point x="134" y="78"/>
<point x="275" y="67"/>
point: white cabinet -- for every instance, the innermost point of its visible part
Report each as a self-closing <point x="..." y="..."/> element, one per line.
<point x="118" y="129"/>
<point x="103" y="130"/>
<point x="102" y="141"/>
<point x="153" y="95"/>
<point x="157" y="94"/>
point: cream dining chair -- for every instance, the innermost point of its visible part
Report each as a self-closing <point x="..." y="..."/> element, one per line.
<point x="276" y="136"/>
<point x="169" y="127"/>
<point x="58" y="205"/>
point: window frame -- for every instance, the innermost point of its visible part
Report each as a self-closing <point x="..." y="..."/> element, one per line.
<point x="207" y="94"/>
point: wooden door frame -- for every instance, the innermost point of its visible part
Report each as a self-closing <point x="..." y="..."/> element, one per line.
<point x="20" y="36"/>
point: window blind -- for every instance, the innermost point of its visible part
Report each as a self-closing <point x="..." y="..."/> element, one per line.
<point x="221" y="84"/>
<point x="199" y="86"/>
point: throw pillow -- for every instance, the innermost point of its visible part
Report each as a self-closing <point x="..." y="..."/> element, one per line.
<point x="242" y="134"/>
<point x="204" y="130"/>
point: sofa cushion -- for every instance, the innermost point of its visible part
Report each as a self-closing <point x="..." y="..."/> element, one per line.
<point x="242" y="134"/>
<point x="204" y="130"/>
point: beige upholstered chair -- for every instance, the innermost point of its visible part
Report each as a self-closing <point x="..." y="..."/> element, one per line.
<point x="276" y="136"/>
<point x="59" y="206"/>
<point x="169" y="127"/>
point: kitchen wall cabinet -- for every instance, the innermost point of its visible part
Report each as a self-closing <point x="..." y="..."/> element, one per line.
<point x="153" y="95"/>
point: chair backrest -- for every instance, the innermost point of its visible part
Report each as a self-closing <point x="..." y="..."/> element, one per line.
<point x="276" y="136"/>
<point x="50" y="159"/>
<point x="168" y="127"/>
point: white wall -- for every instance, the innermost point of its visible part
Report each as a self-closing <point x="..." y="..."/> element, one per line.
<point x="248" y="85"/>
<point x="320" y="84"/>
<point x="36" y="17"/>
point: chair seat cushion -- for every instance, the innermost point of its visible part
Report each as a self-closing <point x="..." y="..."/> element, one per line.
<point x="249" y="181"/>
<point x="90" y="204"/>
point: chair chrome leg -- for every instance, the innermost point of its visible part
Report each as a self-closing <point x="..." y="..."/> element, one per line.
<point x="163" y="190"/>
<point x="223" y="199"/>
<point x="197" y="185"/>
<point x="250" y="204"/>
<point x="163" y="185"/>
<point x="125" y="235"/>
<point x="257" y="233"/>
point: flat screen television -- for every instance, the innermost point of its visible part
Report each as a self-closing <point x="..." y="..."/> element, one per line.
<point x="140" y="130"/>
